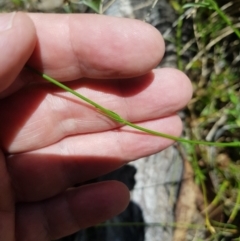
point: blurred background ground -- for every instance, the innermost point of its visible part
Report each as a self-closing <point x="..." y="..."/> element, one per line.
<point x="188" y="192"/>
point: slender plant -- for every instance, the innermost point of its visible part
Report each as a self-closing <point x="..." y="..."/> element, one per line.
<point x="116" y="117"/>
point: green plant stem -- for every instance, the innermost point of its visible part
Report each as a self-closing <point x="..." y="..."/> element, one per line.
<point x="179" y="40"/>
<point x="212" y="4"/>
<point x="224" y="17"/>
<point x="220" y="193"/>
<point x="236" y="206"/>
<point x="120" y="120"/>
<point x="197" y="170"/>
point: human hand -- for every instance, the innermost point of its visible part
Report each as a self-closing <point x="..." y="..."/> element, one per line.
<point x="52" y="141"/>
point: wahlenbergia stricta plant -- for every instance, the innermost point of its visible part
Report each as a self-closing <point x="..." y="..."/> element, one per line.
<point x="116" y="117"/>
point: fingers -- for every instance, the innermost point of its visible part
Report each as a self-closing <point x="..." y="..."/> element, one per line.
<point x="94" y="46"/>
<point x="75" y="46"/>
<point x="75" y="209"/>
<point x="29" y="116"/>
<point x="49" y="171"/>
<point x="17" y="42"/>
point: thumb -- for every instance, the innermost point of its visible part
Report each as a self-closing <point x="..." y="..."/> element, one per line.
<point x="17" y="41"/>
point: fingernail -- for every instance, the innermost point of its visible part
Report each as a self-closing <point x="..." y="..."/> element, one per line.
<point x="6" y="20"/>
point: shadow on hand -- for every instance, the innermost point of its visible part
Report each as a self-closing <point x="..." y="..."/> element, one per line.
<point x="36" y="177"/>
<point x="127" y="226"/>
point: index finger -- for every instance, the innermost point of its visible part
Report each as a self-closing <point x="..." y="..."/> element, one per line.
<point x="94" y="46"/>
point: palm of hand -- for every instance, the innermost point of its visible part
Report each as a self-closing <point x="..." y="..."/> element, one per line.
<point x="51" y="141"/>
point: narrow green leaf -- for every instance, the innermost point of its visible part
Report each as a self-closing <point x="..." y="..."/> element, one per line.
<point x="93" y="4"/>
<point x="197" y="5"/>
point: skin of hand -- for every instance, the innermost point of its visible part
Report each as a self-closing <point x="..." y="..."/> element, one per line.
<point x="51" y="141"/>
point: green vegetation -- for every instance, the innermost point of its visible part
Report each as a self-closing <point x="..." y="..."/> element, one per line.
<point x="214" y="112"/>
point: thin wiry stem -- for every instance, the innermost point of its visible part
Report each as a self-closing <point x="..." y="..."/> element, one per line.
<point x="116" y="117"/>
